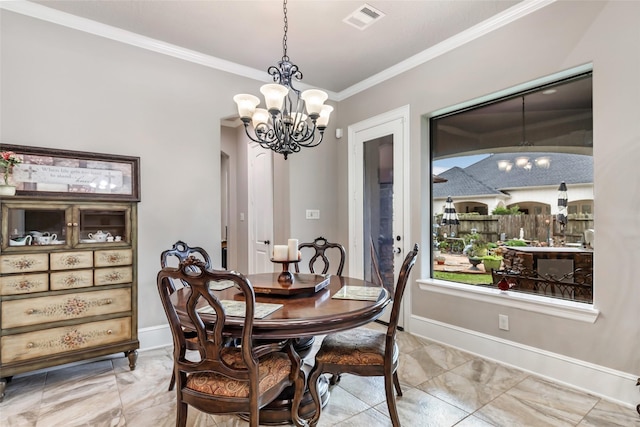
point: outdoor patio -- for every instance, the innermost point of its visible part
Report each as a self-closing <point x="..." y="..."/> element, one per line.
<point x="458" y="263"/>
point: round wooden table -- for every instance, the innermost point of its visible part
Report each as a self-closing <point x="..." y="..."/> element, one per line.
<point x="304" y="313"/>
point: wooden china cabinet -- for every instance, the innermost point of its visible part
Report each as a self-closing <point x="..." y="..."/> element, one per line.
<point x="68" y="297"/>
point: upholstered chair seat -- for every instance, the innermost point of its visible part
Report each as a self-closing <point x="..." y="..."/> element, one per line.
<point x="272" y="370"/>
<point x="355" y="347"/>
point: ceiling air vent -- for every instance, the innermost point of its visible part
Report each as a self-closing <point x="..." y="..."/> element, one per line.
<point x="363" y="17"/>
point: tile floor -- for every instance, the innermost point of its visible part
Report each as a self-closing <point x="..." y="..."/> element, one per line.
<point x="442" y="387"/>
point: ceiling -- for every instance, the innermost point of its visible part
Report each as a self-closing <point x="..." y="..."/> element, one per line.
<point x="331" y="54"/>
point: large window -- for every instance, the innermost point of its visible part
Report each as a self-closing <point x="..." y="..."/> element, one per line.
<point x="512" y="192"/>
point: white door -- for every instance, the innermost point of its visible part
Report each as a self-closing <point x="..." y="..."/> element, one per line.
<point x="378" y="182"/>
<point x="260" y="212"/>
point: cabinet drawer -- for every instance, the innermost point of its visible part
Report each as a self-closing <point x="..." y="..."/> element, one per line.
<point x="24" y="284"/>
<point x="59" y="340"/>
<point x="113" y="258"/>
<point x="43" y="310"/>
<point x="69" y="260"/>
<point x="71" y="279"/>
<point x="112" y="276"/>
<point x="25" y="263"/>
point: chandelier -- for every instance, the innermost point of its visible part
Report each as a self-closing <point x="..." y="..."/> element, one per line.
<point x="523" y="162"/>
<point x="292" y="120"/>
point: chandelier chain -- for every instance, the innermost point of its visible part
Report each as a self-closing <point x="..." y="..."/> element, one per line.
<point x="286" y="28"/>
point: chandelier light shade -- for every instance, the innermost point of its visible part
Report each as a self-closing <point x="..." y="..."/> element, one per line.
<point x="292" y="120"/>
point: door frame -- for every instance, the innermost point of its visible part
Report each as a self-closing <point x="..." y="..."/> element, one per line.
<point x="375" y="127"/>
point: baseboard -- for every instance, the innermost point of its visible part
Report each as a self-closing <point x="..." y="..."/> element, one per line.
<point x="154" y="337"/>
<point x="610" y="384"/>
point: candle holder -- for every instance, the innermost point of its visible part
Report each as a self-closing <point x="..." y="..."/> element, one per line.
<point x="286" y="277"/>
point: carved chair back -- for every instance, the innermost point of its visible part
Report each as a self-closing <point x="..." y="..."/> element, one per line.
<point x="320" y="245"/>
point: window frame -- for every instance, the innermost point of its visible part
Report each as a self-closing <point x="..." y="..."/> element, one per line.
<point x="580" y="311"/>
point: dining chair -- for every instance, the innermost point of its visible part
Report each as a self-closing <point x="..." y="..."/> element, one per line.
<point x="173" y="257"/>
<point x="320" y="246"/>
<point x="365" y="352"/>
<point x="225" y="379"/>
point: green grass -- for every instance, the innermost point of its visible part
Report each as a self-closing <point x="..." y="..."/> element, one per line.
<point x="471" y="279"/>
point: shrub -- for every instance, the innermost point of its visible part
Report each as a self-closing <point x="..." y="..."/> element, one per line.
<point x="501" y="210"/>
<point x="515" y="242"/>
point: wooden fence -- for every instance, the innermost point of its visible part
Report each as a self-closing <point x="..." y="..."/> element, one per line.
<point x="535" y="227"/>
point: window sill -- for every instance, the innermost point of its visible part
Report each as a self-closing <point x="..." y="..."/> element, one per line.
<point x="550" y="306"/>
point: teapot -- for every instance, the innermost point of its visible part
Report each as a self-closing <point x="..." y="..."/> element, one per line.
<point x="21" y="241"/>
<point x="44" y="238"/>
<point x="99" y="236"/>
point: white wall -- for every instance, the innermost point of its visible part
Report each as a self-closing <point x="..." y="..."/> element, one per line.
<point x="558" y="37"/>
<point x="66" y="89"/>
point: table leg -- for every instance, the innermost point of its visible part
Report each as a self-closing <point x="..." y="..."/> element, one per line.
<point x="278" y="412"/>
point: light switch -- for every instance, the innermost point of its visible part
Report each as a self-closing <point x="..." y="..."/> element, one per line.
<point x="313" y="214"/>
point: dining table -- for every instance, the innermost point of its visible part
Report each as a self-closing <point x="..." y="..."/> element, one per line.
<point x="308" y="306"/>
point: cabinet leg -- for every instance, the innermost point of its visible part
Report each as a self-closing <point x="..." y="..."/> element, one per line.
<point x="133" y="358"/>
<point x="3" y="386"/>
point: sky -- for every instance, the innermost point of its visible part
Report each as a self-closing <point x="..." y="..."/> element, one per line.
<point x="440" y="166"/>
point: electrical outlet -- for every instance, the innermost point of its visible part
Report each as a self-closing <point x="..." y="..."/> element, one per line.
<point x="503" y="322"/>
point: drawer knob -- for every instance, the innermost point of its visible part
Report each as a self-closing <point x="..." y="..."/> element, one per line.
<point x="31" y="311"/>
<point x="109" y="331"/>
<point x="69" y="224"/>
<point x="30" y="345"/>
<point x="109" y="301"/>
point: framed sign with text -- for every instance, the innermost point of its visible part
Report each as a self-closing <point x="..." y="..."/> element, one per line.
<point x="64" y="173"/>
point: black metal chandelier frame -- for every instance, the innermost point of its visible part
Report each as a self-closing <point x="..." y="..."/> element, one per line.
<point x="287" y="129"/>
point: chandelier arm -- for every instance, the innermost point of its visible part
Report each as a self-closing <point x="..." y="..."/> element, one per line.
<point x="313" y="142"/>
<point x="261" y="138"/>
<point x="302" y="132"/>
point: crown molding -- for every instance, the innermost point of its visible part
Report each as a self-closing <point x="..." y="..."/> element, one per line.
<point x="44" y="13"/>
<point x="96" y="28"/>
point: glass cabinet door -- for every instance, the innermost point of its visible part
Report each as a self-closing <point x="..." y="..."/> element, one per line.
<point x="29" y="225"/>
<point x="102" y="224"/>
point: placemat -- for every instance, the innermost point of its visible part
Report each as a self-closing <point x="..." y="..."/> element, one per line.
<point x="220" y="285"/>
<point x="238" y="308"/>
<point x="362" y="293"/>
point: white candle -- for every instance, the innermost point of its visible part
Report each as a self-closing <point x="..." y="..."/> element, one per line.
<point x="280" y="252"/>
<point x="293" y="249"/>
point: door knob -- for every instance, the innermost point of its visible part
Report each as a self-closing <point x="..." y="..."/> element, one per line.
<point x="267" y="242"/>
<point x="397" y="250"/>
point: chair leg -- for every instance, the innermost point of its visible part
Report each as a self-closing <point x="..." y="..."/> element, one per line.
<point x="253" y="419"/>
<point x="335" y="379"/>
<point x="396" y="383"/>
<point x="181" y="416"/>
<point x="173" y="380"/>
<point x="391" y="400"/>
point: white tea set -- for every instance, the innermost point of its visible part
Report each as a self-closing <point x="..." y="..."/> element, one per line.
<point x="100" y="236"/>
<point x="45" y="238"/>
<point x="37" y="238"/>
